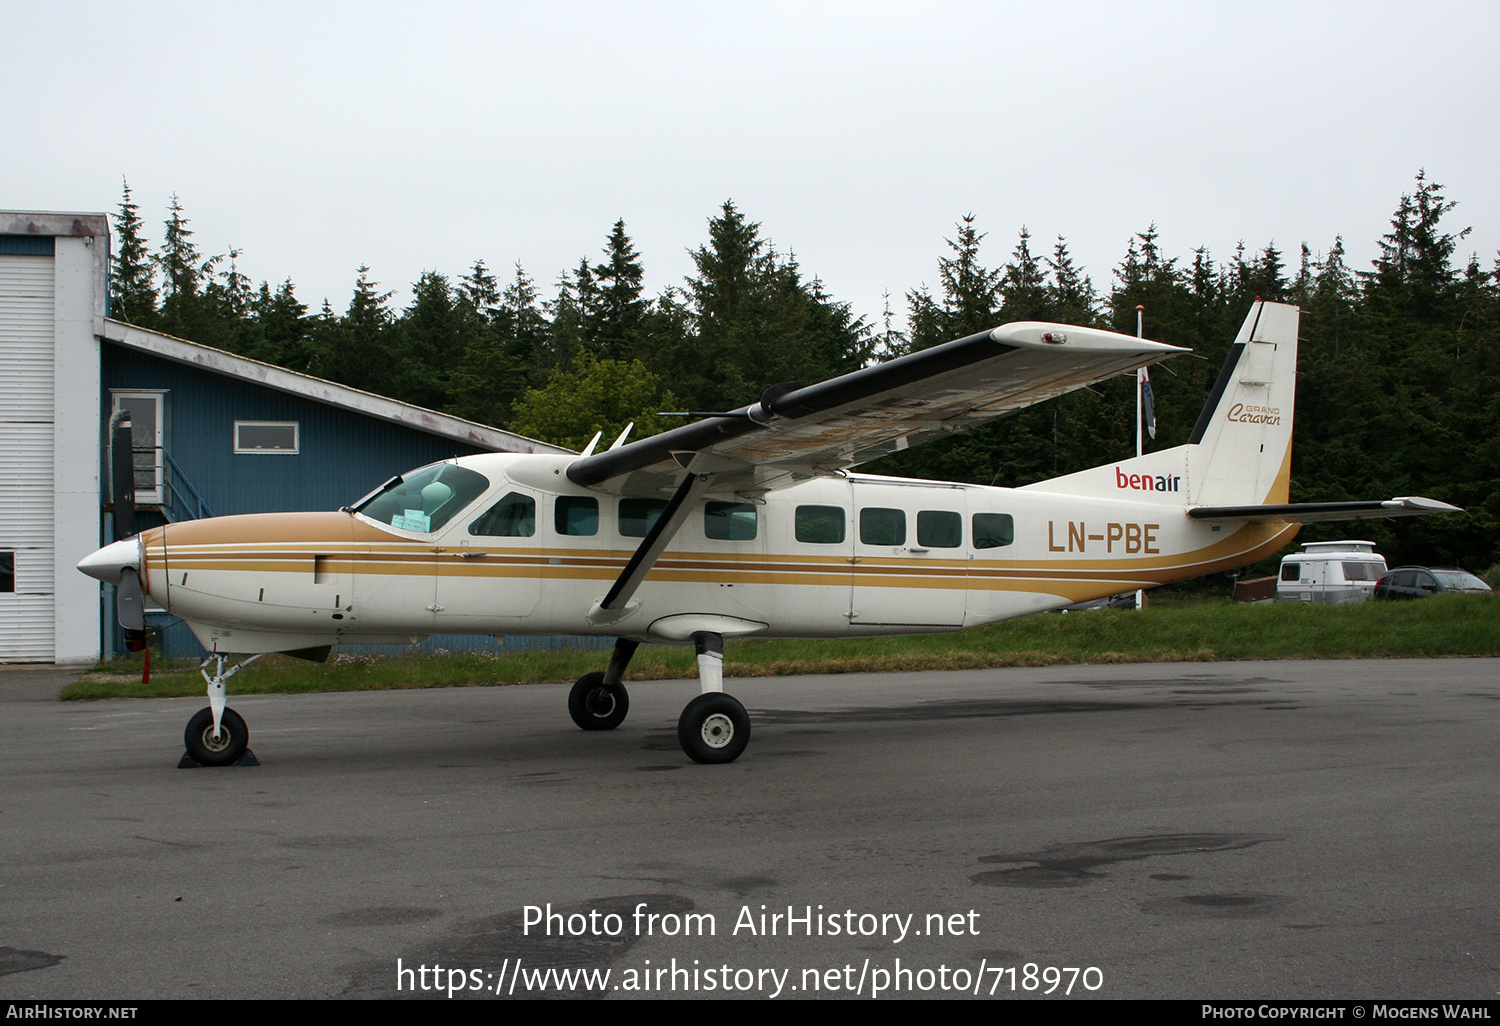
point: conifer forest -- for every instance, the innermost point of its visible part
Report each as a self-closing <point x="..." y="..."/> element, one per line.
<point x="1398" y="388"/>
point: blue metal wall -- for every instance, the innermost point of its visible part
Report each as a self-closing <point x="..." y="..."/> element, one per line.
<point x="344" y="454"/>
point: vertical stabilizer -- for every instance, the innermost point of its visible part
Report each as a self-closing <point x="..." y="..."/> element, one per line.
<point x="1242" y="443"/>
<point x="1240" y="451"/>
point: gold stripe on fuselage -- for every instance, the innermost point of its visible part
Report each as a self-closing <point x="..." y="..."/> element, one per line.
<point x="386" y="557"/>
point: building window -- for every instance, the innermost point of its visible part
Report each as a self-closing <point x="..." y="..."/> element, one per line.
<point x="267" y="436"/>
<point x="7" y="571"/>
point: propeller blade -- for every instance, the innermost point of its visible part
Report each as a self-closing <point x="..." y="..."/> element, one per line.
<point x="130" y="606"/>
<point x="122" y="474"/>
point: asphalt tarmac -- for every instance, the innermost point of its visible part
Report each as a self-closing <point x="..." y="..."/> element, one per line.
<point x="1211" y="830"/>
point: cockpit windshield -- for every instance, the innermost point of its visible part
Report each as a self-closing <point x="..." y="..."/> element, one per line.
<point x="425" y="499"/>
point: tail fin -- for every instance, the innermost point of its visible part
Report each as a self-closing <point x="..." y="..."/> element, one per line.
<point x="1242" y="443"/>
<point x="1240" y="451"/>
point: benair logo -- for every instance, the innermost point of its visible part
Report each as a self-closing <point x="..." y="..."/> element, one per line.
<point x="1147" y="482"/>
<point x="1239" y="413"/>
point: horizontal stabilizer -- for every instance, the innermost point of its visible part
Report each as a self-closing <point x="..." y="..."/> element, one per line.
<point x="1318" y="512"/>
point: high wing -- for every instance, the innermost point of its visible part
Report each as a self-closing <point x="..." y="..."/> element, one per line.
<point x="1319" y="512"/>
<point x="802" y="430"/>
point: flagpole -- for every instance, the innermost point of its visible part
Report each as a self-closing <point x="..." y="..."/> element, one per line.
<point x="1140" y="313"/>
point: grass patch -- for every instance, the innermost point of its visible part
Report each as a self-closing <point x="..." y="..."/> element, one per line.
<point x="1457" y="625"/>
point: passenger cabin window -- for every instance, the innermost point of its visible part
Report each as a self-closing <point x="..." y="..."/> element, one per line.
<point x="576" y="515"/>
<point x="939" y="529"/>
<point x="512" y="517"/>
<point x="993" y="530"/>
<point x="821" y="525"/>
<point x="882" y="526"/>
<point x="425" y="499"/>
<point x="638" y="516"/>
<point x="729" y="521"/>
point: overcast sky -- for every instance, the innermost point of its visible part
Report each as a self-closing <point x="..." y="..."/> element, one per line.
<point x="316" y="137"/>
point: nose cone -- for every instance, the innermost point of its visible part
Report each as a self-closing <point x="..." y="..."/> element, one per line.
<point x="106" y="564"/>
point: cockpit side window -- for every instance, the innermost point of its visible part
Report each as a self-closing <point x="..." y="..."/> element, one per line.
<point x="512" y="517"/>
<point x="426" y="499"/>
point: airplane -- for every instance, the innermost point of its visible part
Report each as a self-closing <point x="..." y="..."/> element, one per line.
<point x="744" y="523"/>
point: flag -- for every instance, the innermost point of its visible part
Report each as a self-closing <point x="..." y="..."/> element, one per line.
<point x="1148" y="404"/>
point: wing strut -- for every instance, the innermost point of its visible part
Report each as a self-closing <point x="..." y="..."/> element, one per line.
<point x="615" y="604"/>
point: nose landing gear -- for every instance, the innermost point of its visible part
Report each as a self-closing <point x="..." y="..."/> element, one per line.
<point x="217" y="736"/>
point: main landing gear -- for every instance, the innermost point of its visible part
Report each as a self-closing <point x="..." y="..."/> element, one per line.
<point x="714" y="728"/>
<point x="217" y="736"/>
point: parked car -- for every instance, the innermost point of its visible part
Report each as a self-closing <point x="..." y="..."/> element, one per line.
<point x="1410" y="582"/>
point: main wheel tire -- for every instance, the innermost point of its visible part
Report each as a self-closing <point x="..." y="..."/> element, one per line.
<point x="224" y="750"/>
<point x="714" y="728"/>
<point x="595" y="705"/>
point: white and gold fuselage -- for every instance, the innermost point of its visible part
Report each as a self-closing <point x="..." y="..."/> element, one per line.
<point x="284" y="581"/>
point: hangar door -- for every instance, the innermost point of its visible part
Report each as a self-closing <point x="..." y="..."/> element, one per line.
<point x="27" y="591"/>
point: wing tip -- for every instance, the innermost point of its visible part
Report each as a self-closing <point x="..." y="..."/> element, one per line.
<point x="1049" y="335"/>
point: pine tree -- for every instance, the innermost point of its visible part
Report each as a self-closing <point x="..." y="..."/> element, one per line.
<point x="434" y="332"/>
<point x="479" y="290"/>
<point x="970" y="292"/>
<point x="1070" y="293"/>
<point x="525" y="326"/>
<point x="284" y="327"/>
<point x="755" y="322"/>
<point x="133" y="288"/>
<point x="1023" y="285"/>
<point x="356" y="349"/>
<point x="616" y="311"/>
<point x="1414" y="274"/>
<point x="181" y="268"/>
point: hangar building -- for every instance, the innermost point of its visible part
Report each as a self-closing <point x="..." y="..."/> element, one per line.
<point x="215" y="433"/>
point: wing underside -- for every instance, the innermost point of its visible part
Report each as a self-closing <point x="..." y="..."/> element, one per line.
<point x="827" y="427"/>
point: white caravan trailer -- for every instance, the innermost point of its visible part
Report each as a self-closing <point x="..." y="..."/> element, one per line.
<point x="1336" y="571"/>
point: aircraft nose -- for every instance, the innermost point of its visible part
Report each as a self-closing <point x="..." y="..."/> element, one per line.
<point x="106" y="564"/>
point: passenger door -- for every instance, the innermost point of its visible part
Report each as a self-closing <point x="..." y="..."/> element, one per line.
<point x="910" y="556"/>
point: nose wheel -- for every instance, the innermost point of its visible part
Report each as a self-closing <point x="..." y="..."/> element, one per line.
<point x="224" y="745"/>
